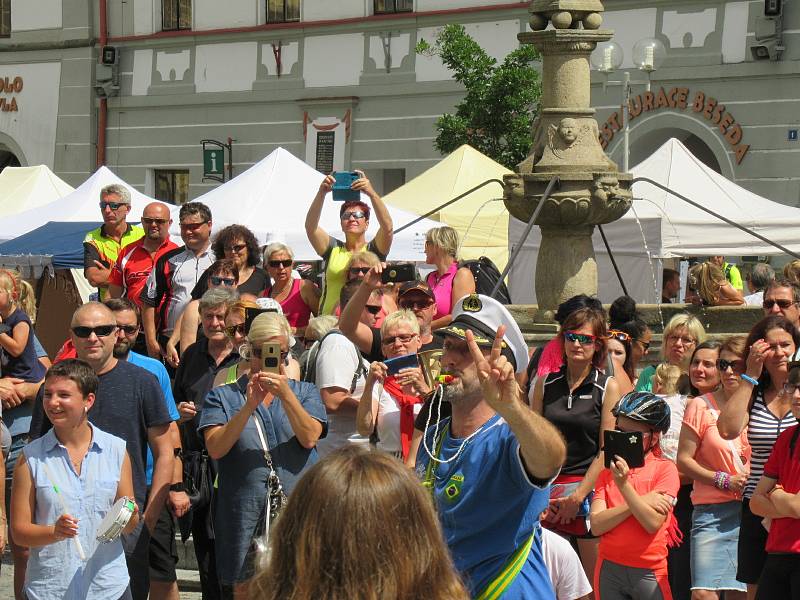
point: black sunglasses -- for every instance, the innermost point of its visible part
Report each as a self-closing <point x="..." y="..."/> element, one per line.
<point x="99" y="331"/>
<point x="280" y="263"/>
<point x="736" y="365"/>
<point x="152" y="221"/>
<point x="111" y="205"/>
<point x="215" y="280"/>
<point x="782" y="303"/>
<point x="359" y="270"/>
<point x="372" y="309"/>
<point x="128" y="329"/>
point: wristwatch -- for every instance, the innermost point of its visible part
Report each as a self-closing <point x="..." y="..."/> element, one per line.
<point x="177" y="487"/>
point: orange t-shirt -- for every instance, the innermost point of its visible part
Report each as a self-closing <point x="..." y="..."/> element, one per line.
<point x="629" y="543"/>
<point x="713" y="452"/>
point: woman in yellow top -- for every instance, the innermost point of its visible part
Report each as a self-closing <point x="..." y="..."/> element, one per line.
<point x="336" y="253"/>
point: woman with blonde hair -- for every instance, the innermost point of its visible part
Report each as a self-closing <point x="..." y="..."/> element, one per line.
<point x="792" y="272"/>
<point x="350" y="504"/>
<point x="263" y="431"/>
<point x="681" y="336"/>
<point x="449" y="282"/>
<point x="299" y="298"/>
<point x="710" y="283"/>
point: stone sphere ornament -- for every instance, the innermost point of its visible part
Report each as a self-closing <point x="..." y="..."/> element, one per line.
<point x="538" y="22"/>
<point x="562" y="20"/>
<point x="592" y="21"/>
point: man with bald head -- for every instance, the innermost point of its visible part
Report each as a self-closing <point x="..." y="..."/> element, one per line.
<point x="129" y="404"/>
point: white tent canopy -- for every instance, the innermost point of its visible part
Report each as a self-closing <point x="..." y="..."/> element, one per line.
<point x="671" y="227"/>
<point x="273" y="196"/>
<point x="80" y="205"/>
<point x="23" y="188"/>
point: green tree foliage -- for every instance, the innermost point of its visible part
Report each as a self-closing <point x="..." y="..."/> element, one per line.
<point x="501" y="100"/>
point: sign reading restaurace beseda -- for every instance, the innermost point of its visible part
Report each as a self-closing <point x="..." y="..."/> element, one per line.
<point x="680" y="98"/>
<point x="9" y="86"/>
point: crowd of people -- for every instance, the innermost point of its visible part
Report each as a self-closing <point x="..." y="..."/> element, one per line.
<point x="375" y="438"/>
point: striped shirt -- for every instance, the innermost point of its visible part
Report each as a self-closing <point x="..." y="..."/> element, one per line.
<point x="762" y="432"/>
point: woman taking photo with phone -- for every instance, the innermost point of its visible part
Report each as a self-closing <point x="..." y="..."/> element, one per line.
<point x="263" y="419"/>
<point x="578" y="399"/>
<point x="718" y="469"/>
<point x="392" y="399"/>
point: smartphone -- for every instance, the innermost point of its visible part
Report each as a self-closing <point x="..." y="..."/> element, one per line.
<point x="626" y="444"/>
<point x="398" y="363"/>
<point x="271" y="357"/>
<point x="341" y="187"/>
<point x="251" y="313"/>
<point x="399" y="273"/>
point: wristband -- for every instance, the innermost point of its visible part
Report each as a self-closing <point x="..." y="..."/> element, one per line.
<point x="751" y="380"/>
<point x="177" y="487"/>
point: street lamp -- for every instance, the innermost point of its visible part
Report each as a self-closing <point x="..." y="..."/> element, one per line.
<point x="648" y="55"/>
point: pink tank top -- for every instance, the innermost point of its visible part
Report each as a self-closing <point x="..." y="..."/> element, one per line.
<point x="442" y="288"/>
<point x="294" y="307"/>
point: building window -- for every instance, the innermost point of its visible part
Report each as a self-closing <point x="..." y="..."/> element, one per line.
<point x="172" y="186"/>
<point x="283" y="11"/>
<point x="176" y="14"/>
<point x="383" y="7"/>
<point x="5" y="18"/>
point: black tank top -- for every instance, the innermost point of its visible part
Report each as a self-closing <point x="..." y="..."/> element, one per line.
<point x="576" y="416"/>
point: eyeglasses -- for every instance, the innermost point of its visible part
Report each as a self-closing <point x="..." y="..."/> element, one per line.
<point x="584" y="339"/>
<point x="783" y="303"/>
<point x="215" y="280"/>
<point x="128" y="329"/>
<point x="372" y="309"/>
<point x="111" y="205"/>
<point x="790" y="389"/>
<point x="620" y="336"/>
<point x="414" y="304"/>
<point x="353" y="214"/>
<point x="233" y="330"/>
<point x="192" y="226"/>
<point x="152" y="221"/>
<point x="236" y="248"/>
<point x="281" y="263"/>
<point x="99" y="331"/>
<point x="359" y="270"/>
<point x="403" y="337"/>
<point x="686" y="341"/>
<point x="723" y="365"/>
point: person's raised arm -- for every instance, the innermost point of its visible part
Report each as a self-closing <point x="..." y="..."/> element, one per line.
<point x="736" y="414"/>
<point x="15" y="343"/>
<point x="318" y="237"/>
<point x="221" y="438"/>
<point x="310" y="293"/>
<point x="367" y="413"/>
<point x="383" y="238"/>
<point x="541" y="446"/>
<point x="350" y="319"/>
<point x="306" y="428"/>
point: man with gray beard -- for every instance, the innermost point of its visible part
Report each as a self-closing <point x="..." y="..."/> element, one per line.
<point x="490" y="465"/>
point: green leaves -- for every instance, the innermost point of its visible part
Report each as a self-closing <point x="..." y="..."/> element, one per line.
<point x="500" y="100"/>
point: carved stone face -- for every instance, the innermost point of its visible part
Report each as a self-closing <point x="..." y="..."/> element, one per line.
<point x="568" y="130"/>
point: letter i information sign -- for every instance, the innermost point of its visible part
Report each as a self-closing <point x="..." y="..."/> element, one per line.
<point x="214" y="160"/>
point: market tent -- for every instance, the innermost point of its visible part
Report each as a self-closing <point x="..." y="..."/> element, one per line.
<point x="481" y="218"/>
<point x="661" y="226"/>
<point x="273" y="196"/>
<point x="80" y="205"/>
<point x="23" y="188"/>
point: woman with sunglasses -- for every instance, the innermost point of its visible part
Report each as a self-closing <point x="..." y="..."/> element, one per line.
<point x="718" y="469"/>
<point x="624" y="317"/>
<point x="354" y="215"/>
<point x="390" y="402"/>
<point x="287" y="415"/>
<point x="578" y="399"/>
<point x="358" y="267"/>
<point x="299" y="298"/>
<point x="449" y="282"/>
<point x="239" y="244"/>
<point x="221" y="274"/>
<point x="760" y="408"/>
<point x="620" y="351"/>
<point x="681" y="335"/>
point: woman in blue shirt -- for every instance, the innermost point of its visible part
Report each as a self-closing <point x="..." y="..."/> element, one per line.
<point x="292" y="418"/>
<point x="64" y="485"/>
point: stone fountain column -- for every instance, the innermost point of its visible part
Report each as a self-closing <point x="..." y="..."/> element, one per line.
<point x="566" y="143"/>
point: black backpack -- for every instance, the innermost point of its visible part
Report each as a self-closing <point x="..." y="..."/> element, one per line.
<point x="486" y="276"/>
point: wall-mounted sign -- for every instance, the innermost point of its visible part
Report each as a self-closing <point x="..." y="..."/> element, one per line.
<point x="8" y="87"/>
<point x="678" y="98"/>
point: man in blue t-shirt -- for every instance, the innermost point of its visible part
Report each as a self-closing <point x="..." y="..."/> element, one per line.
<point x="490" y="465"/>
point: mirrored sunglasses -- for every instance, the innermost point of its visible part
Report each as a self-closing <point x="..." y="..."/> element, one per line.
<point x="584" y="339"/>
<point x="100" y="331"/>
<point x="215" y="280"/>
<point x="111" y="205"/>
<point x="618" y="335"/>
<point x="353" y="214"/>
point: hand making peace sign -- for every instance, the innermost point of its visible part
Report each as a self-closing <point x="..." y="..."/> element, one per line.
<point x="495" y="372"/>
